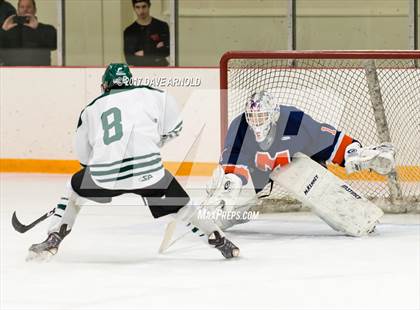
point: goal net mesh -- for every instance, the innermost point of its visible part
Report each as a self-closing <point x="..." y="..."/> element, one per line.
<point x="336" y="91"/>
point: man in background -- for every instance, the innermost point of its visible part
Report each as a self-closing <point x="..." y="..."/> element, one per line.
<point x="146" y="41"/>
<point x="24" y="40"/>
<point x="6" y="9"/>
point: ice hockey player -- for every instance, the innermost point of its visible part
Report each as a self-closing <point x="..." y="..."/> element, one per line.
<point x="268" y="138"/>
<point x="118" y="142"/>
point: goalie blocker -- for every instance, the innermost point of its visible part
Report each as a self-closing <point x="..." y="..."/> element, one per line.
<point x="333" y="200"/>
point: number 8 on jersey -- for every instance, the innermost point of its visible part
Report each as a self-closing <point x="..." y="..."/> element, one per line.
<point x="114" y="125"/>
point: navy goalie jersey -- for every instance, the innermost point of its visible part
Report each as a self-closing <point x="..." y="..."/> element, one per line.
<point x="295" y="132"/>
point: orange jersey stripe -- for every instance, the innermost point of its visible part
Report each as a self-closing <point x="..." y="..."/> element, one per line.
<point x="240" y="170"/>
<point x="339" y="155"/>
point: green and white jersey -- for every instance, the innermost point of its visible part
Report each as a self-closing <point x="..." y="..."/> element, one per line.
<point x="119" y="134"/>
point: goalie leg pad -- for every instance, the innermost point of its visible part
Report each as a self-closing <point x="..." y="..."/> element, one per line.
<point x="191" y="214"/>
<point x="216" y="238"/>
<point x="228" y="201"/>
<point x="228" y="215"/>
<point x="334" y="201"/>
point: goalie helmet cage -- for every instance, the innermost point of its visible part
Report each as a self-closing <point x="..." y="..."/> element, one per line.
<point x="374" y="96"/>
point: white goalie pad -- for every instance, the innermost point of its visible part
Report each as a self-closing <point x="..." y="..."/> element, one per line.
<point x="216" y="180"/>
<point x="334" y="201"/>
<point x="227" y="200"/>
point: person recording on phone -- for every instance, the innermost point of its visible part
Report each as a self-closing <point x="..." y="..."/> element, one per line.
<point x="24" y="41"/>
<point x="6" y="9"/>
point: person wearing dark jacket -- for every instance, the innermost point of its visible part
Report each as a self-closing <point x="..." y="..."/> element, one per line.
<point x="146" y="41"/>
<point x="6" y="9"/>
<point x="24" y="41"/>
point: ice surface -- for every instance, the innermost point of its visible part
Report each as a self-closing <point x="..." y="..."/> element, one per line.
<point x="288" y="261"/>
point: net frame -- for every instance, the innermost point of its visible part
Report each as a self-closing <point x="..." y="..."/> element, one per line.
<point x="401" y="205"/>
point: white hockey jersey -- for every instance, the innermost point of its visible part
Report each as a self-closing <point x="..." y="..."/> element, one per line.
<point x="119" y="136"/>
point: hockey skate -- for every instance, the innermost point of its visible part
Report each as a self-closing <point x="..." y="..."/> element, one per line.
<point x="380" y="159"/>
<point x="45" y="250"/>
<point x="227" y="248"/>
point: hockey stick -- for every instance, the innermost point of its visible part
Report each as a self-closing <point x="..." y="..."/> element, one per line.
<point x="167" y="236"/>
<point x="170" y="228"/>
<point x="166" y="242"/>
<point x="19" y="227"/>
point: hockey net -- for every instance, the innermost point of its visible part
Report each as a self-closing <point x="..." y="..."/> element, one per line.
<point x="372" y="96"/>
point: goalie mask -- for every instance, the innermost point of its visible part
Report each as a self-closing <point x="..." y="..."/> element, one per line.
<point x="261" y="113"/>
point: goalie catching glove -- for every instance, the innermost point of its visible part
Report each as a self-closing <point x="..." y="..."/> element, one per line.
<point x="226" y="200"/>
<point x="380" y="158"/>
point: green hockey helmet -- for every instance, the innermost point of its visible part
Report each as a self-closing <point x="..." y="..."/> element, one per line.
<point x="116" y="75"/>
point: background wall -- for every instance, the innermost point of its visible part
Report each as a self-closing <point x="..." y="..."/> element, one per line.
<point x="355" y="24"/>
<point x="40" y="122"/>
<point x="39" y="108"/>
<point x="235" y="25"/>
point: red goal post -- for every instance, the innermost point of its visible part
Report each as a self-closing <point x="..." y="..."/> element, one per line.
<point x="373" y="95"/>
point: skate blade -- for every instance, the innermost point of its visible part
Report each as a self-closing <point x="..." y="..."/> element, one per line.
<point x="235" y="252"/>
<point x="42" y="257"/>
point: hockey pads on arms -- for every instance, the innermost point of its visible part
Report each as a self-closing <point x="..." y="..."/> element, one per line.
<point x="226" y="200"/>
<point x="334" y="201"/>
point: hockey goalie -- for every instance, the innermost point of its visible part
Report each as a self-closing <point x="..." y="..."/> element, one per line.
<point x="274" y="143"/>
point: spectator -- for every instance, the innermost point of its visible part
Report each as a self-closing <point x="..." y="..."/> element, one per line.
<point x="146" y="41"/>
<point x="6" y="9"/>
<point x="24" y="40"/>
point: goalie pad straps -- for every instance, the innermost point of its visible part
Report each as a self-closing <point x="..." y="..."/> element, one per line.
<point x="235" y="214"/>
<point x="190" y="214"/>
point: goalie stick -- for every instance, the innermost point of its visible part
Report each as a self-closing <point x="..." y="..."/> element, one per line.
<point x="19" y="227"/>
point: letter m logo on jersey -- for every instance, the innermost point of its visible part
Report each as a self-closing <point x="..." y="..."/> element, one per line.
<point x="265" y="162"/>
